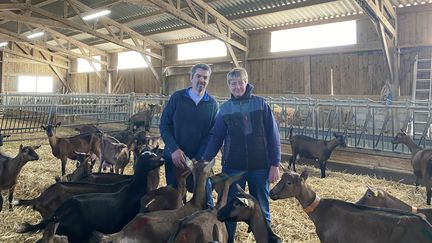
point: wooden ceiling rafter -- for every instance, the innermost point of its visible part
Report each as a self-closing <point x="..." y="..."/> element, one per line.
<point x="67" y="52"/>
<point x="205" y="9"/>
<point x="384" y="18"/>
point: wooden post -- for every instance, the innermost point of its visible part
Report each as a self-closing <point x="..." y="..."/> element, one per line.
<point x="307" y="75"/>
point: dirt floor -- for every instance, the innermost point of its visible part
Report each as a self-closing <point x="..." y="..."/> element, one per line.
<point x="288" y="219"/>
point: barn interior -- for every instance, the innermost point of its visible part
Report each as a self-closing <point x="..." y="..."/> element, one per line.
<point x="360" y="67"/>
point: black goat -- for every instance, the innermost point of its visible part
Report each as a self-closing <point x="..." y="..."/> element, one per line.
<point x="108" y="213"/>
<point x="311" y="148"/>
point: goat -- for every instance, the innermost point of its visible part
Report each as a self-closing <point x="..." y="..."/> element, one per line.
<point x="83" y="168"/>
<point x="2" y="155"/>
<point x="63" y="148"/>
<point x="307" y="147"/>
<point x="244" y="207"/>
<point x="338" y="221"/>
<point x="113" y="152"/>
<point x="144" y="118"/>
<point x="86" y="129"/>
<point x="10" y="169"/>
<point x="104" y="178"/>
<point x="382" y="199"/>
<point x="155" y="227"/>
<point x="154" y="175"/>
<point x="203" y="226"/>
<point x="50" y="199"/>
<point x="79" y="216"/>
<point x="421" y="162"/>
<point x="168" y="197"/>
<point x="2" y="136"/>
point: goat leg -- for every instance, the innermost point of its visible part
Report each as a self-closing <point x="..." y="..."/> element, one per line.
<point x="63" y="165"/>
<point x="1" y="202"/>
<point x="292" y="161"/>
<point x="417" y="184"/>
<point x="323" y="168"/>
<point x="428" y="195"/>
<point x="10" y="198"/>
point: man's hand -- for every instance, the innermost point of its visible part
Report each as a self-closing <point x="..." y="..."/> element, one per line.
<point x="273" y="174"/>
<point x="178" y="158"/>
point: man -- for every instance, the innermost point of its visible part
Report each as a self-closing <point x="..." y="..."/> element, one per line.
<point x="186" y="123"/>
<point x="246" y="126"/>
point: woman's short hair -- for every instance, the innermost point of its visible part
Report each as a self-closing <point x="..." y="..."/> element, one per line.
<point x="238" y="73"/>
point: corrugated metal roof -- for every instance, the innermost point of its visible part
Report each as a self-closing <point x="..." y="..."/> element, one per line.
<point x="249" y="15"/>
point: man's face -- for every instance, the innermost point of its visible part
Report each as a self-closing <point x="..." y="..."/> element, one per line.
<point x="237" y="87"/>
<point x="200" y="80"/>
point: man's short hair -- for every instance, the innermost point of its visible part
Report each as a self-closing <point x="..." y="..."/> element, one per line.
<point x="238" y="73"/>
<point x="202" y="66"/>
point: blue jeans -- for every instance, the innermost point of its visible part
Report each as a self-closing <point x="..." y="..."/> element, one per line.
<point x="258" y="187"/>
<point x="170" y="180"/>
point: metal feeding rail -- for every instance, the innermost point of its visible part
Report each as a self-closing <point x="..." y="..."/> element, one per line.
<point x="369" y="124"/>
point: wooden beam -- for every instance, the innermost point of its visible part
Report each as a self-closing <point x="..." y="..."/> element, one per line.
<point x="386" y="50"/>
<point x="31" y="57"/>
<point x="57" y="72"/>
<point x="221" y="18"/>
<point x="9" y="16"/>
<point x="376" y="14"/>
<point x="17" y="38"/>
<point x="93" y="32"/>
<point x="201" y="26"/>
<point x="147" y="41"/>
<point x="11" y="6"/>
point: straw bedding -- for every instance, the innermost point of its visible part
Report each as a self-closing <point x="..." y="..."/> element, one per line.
<point x="288" y="219"/>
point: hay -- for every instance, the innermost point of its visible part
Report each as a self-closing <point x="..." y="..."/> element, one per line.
<point x="288" y="219"/>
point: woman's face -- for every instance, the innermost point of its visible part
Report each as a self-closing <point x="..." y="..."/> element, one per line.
<point x="237" y="87"/>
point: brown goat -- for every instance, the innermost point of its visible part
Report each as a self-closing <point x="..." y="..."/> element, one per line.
<point x="63" y="148"/>
<point x="204" y="226"/>
<point x="83" y="169"/>
<point x="144" y="118"/>
<point x="10" y="169"/>
<point x="421" y="162"/>
<point x="168" y="197"/>
<point x="382" y="199"/>
<point x="113" y="152"/>
<point x="338" y="221"/>
<point x="311" y="148"/>
<point x="80" y="215"/>
<point x="155" y="227"/>
<point x="246" y="208"/>
<point x="50" y="199"/>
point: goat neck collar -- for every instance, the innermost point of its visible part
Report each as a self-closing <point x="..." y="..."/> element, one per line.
<point x="309" y="209"/>
<point x="413" y="210"/>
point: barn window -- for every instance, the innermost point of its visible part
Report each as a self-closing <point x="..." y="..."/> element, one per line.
<point x="84" y="65"/>
<point x="131" y="59"/>
<point x="201" y="49"/>
<point x="325" y="35"/>
<point x="39" y="84"/>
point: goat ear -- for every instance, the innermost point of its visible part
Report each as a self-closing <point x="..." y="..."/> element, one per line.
<point x="380" y="193"/>
<point x="283" y="167"/>
<point x="240" y="190"/>
<point x="304" y="175"/>
<point x="210" y="165"/>
<point x="244" y="201"/>
<point x="21" y="147"/>
<point x="36" y="147"/>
